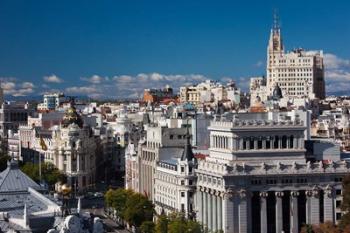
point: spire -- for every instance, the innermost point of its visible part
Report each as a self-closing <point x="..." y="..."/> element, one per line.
<point x="188" y="153"/>
<point x="275" y="42"/>
<point x="276" y="22"/>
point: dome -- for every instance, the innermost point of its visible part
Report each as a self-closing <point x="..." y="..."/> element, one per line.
<point x="277" y="92"/>
<point x="71" y="116"/>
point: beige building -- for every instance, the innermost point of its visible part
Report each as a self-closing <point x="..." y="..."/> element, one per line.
<point x="299" y="73"/>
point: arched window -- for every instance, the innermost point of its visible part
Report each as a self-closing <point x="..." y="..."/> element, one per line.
<point x="291" y="141"/>
<point x="276" y="142"/>
<point x="284" y="141"/>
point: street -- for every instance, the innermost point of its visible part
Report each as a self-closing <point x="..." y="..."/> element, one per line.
<point x="96" y="207"/>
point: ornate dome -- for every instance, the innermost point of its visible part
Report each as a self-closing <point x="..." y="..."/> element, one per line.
<point x="277" y="93"/>
<point x="71" y="116"/>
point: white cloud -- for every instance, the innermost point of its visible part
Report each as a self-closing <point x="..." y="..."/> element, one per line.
<point x="84" y="90"/>
<point x="13" y="87"/>
<point x="337" y="73"/>
<point x="95" y="79"/>
<point x="26" y="85"/>
<point x="53" y="79"/>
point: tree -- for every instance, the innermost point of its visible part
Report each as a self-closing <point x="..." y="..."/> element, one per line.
<point x="117" y="199"/>
<point x="179" y="224"/>
<point x="50" y="174"/>
<point x="162" y="224"/>
<point x="147" y="227"/>
<point x="345" y="220"/>
<point x="138" y="209"/>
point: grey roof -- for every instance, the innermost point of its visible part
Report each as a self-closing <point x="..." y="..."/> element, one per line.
<point x="12" y="179"/>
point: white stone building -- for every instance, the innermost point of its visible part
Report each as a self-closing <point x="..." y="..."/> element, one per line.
<point x="257" y="178"/>
<point x="175" y="183"/>
<point x="299" y="73"/>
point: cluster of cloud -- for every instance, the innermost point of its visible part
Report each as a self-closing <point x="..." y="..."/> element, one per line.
<point x="12" y="86"/>
<point x="121" y="86"/>
<point x="337" y="73"/>
<point x="127" y="86"/>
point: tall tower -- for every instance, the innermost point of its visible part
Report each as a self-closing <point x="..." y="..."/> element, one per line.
<point x="275" y="51"/>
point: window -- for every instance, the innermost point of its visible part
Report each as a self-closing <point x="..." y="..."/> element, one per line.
<point x="182" y="169"/>
<point x="171" y="136"/>
<point x="338" y="203"/>
<point x="338" y="216"/>
<point x="190" y="169"/>
<point x="338" y="192"/>
<point x="190" y="182"/>
<point x="284" y="141"/>
<point x="251" y="143"/>
<point x="182" y="182"/>
<point x="182" y="194"/>
<point x="268" y="143"/>
<point x="275" y="144"/>
<point x="291" y="141"/>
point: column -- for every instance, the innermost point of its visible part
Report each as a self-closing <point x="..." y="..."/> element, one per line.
<point x="200" y="205"/>
<point x="328" y="204"/>
<point x="228" y="212"/>
<point x="215" y="212"/>
<point x="263" y="212"/>
<point x="205" y="209"/>
<point x="244" y="212"/>
<point x="294" y="211"/>
<point x="210" y="210"/>
<point x="279" y="213"/>
<point x="219" y="205"/>
<point x="312" y="207"/>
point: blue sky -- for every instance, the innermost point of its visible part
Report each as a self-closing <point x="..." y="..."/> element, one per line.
<point x="117" y="48"/>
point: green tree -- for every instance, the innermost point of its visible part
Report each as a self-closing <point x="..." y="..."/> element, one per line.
<point x="147" y="227"/>
<point x="117" y="199"/>
<point x="138" y="209"/>
<point x="50" y="174"/>
<point x="162" y="224"/>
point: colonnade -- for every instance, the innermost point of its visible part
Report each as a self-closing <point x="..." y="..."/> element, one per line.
<point x="232" y="211"/>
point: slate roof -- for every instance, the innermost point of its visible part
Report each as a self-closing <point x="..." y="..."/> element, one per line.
<point x="12" y="179"/>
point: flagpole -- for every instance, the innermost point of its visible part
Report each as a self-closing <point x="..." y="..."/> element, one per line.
<point x="40" y="168"/>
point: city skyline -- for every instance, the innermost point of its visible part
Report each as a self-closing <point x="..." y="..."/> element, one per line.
<point x="114" y="49"/>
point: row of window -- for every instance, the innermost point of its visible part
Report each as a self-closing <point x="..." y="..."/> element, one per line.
<point x="282" y="181"/>
<point x="276" y="142"/>
<point x="210" y="180"/>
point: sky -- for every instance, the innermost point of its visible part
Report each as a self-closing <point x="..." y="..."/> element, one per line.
<point x="115" y="49"/>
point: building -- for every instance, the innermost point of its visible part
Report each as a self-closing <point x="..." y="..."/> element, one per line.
<point x="23" y="208"/>
<point x="257" y="88"/>
<point x="12" y="115"/>
<point x="257" y="178"/>
<point x="299" y="73"/>
<point x="70" y="146"/>
<point x="175" y="183"/>
<point x="158" y="95"/>
<point x="161" y="143"/>
<point x="51" y="101"/>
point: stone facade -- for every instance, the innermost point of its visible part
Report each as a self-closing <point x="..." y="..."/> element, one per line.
<point x="257" y="179"/>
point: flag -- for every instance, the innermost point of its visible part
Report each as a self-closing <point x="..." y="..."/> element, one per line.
<point x="43" y="144"/>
